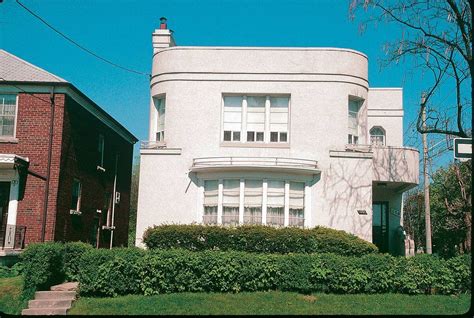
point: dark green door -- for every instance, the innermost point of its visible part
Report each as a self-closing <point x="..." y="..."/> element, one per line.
<point x="4" y="200"/>
<point x="380" y="225"/>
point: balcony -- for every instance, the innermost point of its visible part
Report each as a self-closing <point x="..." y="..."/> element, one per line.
<point x="398" y="165"/>
<point x="272" y="164"/>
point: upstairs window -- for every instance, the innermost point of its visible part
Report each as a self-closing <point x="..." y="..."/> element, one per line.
<point x="7" y="115"/>
<point x="353" y="122"/>
<point x="377" y="136"/>
<point x="255" y="119"/>
<point x="160" y="105"/>
<point x="100" y="149"/>
<point x="76" y="195"/>
<point x="232" y="118"/>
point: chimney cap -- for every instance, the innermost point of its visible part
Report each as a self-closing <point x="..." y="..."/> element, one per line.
<point x="163" y="19"/>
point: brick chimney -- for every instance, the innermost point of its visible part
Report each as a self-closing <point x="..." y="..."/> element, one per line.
<point x="162" y="37"/>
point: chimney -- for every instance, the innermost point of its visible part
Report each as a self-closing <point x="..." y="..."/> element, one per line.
<point x="162" y="37"/>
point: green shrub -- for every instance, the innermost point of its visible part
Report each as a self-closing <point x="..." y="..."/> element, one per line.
<point x="72" y="254"/>
<point x="43" y="266"/>
<point x="256" y="238"/>
<point x="131" y="271"/>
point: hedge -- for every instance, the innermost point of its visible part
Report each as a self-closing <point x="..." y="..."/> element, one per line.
<point x="126" y="271"/>
<point x="256" y="238"/>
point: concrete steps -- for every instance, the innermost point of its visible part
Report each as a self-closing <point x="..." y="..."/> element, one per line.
<point x="57" y="301"/>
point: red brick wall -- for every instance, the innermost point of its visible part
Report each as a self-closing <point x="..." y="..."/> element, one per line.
<point x="80" y="158"/>
<point x="74" y="155"/>
<point x="32" y="132"/>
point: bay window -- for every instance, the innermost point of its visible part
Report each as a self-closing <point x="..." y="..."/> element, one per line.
<point x="276" y="203"/>
<point x="255" y="119"/>
<point x="231" y="202"/>
<point x="210" y="201"/>
<point x="253" y="201"/>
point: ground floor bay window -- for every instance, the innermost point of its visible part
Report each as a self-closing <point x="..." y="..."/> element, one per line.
<point x="232" y="202"/>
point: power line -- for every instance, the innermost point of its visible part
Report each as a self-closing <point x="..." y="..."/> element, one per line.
<point x="78" y="45"/>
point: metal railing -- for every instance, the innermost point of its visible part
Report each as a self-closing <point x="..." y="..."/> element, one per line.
<point x="12" y="239"/>
<point x="254" y="161"/>
<point x="152" y="144"/>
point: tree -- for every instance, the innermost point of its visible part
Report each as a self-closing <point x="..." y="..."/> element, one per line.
<point x="437" y="37"/>
<point x="451" y="208"/>
<point x="132" y="222"/>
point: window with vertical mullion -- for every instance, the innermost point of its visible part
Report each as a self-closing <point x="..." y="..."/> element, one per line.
<point x="7" y="115"/>
<point x="231" y="202"/>
<point x="232" y="123"/>
<point x="210" y="201"/>
<point x="279" y="119"/>
<point x="296" y="204"/>
<point x="276" y="203"/>
<point x="255" y="118"/>
<point x="253" y="201"/>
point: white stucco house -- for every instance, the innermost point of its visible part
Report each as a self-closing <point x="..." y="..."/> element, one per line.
<point x="275" y="136"/>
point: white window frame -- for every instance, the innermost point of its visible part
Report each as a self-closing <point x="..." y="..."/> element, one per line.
<point x="267" y="112"/>
<point x="384" y="136"/>
<point x="159" y="135"/>
<point x="353" y="139"/>
<point x="306" y="200"/>
<point x="15" y="119"/>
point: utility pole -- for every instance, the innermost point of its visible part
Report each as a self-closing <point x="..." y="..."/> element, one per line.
<point x="426" y="180"/>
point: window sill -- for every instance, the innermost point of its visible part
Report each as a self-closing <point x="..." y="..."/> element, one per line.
<point x="8" y="140"/>
<point x="255" y="144"/>
<point x="75" y="212"/>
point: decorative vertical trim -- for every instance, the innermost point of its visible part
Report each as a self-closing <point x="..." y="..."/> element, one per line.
<point x="307" y="205"/>
<point x="266" y="135"/>
<point x="243" y="128"/>
<point x="264" y="201"/>
<point x="241" y="202"/>
<point x="219" y="201"/>
<point x="200" y="202"/>
<point x="287" y="203"/>
<point x="12" y="213"/>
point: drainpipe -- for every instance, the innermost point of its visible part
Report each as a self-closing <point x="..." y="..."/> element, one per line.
<point x="48" y="171"/>
<point x="113" y="203"/>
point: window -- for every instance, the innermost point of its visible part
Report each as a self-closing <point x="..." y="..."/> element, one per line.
<point x="100" y="148"/>
<point x="76" y="195"/>
<point x="353" y="124"/>
<point x="160" y="124"/>
<point x="252" y="196"/>
<point x="232" y="118"/>
<point x="296" y="217"/>
<point x="377" y="136"/>
<point x="276" y="203"/>
<point x="7" y="115"/>
<point x="253" y="202"/>
<point x="231" y="202"/>
<point x="279" y="119"/>
<point x="210" y="201"/>
<point x="253" y="119"/>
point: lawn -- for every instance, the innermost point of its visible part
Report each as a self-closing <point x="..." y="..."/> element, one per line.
<point x="272" y="303"/>
<point x="10" y="295"/>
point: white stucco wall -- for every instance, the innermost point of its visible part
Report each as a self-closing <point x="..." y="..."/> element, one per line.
<point x="319" y="81"/>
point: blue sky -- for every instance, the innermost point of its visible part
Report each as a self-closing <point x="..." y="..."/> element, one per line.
<point x="120" y="30"/>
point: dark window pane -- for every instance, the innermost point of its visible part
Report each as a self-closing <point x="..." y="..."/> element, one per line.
<point x="227" y="135"/>
<point x="236" y="135"/>
<point x="250" y="136"/>
<point x="356" y="140"/>
<point x="349" y="139"/>
<point x="260" y="136"/>
<point x="283" y="137"/>
<point x="274" y="136"/>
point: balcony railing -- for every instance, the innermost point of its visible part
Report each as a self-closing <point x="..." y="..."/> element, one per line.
<point x="152" y="144"/>
<point x="276" y="162"/>
<point x="12" y="236"/>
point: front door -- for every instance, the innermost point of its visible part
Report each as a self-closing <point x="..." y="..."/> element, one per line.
<point x="380" y="225"/>
<point x="4" y="200"/>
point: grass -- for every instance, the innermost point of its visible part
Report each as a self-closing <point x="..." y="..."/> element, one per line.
<point x="10" y="295"/>
<point x="272" y="303"/>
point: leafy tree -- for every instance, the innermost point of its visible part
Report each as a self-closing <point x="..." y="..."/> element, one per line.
<point x="133" y="202"/>
<point x="451" y="210"/>
<point x="436" y="35"/>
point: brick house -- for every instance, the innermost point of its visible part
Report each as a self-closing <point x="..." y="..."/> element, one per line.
<point x="61" y="158"/>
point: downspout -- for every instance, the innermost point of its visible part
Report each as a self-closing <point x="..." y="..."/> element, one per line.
<point x="48" y="171"/>
<point x="113" y="203"/>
